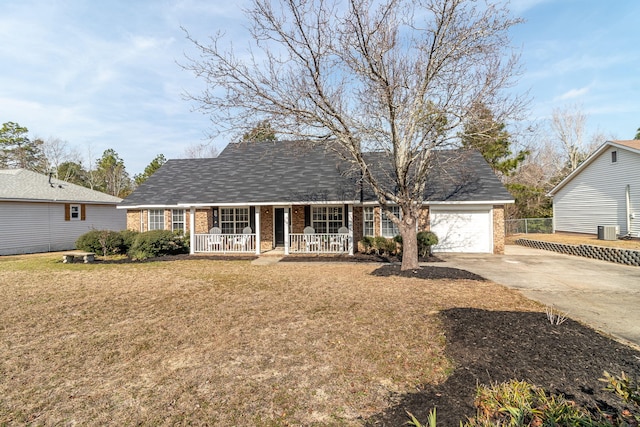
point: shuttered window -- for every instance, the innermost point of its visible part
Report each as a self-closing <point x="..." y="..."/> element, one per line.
<point x="73" y="212"/>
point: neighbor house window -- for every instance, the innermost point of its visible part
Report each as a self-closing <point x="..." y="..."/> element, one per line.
<point x="387" y="227"/>
<point x="74" y="212"/>
<point x="234" y="220"/>
<point x="156" y="219"/>
<point x="614" y="157"/>
<point x="327" y="219"/>
<point x="177" y="220"/>
<point x="367" y="225"/>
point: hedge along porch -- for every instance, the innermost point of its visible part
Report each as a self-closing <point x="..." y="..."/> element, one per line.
<point x="299" y="196"/>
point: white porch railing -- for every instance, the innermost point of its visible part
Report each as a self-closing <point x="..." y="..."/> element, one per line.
<point x="224" y="243"/>
<point x="319" y="243"/>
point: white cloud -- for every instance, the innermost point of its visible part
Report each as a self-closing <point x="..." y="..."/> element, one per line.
<point x="573" y="93"/>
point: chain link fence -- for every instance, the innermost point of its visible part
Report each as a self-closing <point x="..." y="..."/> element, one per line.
<point x="528" y="226"/>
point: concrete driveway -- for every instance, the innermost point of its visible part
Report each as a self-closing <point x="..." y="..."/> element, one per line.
<point x="603" y="295"/>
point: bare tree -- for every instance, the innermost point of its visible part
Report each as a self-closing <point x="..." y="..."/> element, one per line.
<point x="57" y="152"/>
<point x="200" y="151"/>
<point x="395" y="76"/>
<point x="568" y="126"/>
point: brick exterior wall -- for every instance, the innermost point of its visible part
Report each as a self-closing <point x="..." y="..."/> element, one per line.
<point x="498" y="229"/>
<point x="167" y="219"/>
<point x="133" y="219"/>
<point x="137" y="220"/>
<point x="266" y="228"/>
<point x="204" y="220"/>
<point x="358" y="231"/>
<point x="377" y="220"/>
<point x="297" y="219"/>
<point x="423" y="219"/>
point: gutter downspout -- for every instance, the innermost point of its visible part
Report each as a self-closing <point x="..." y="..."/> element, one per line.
<point x="628" y="206"/>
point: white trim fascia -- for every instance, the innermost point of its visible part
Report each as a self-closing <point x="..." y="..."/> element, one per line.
<point x="587" y="162"/>
<point x="480" y="203"/>
<point x="77" y="202"/>
<point x="302" y="203"/>
<point x="154" y="207"/>
<point x="482" y="206"/>
<point x="278" y="204"/>
<point x="428" y="203"/>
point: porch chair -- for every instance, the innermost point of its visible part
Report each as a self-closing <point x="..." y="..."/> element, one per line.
<point x="215" y="239"/>
<point x="339" y="242"/>
<point x="310" y="239"/>
<point x="244" y="240"/>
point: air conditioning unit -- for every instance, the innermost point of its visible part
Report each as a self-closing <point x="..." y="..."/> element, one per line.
<point x="608" y="232"/>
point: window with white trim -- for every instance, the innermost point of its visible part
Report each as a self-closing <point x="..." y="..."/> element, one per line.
<point x="177" y="220"/>
<point x="367" y="221"/>
<point x="387" y="227"/>
<point x="234" y="220"/>
<point x="74" y="212"/>
<point x="327" y="219"/>
<point x="614" y="156"/>
<point x="156" y="219"/>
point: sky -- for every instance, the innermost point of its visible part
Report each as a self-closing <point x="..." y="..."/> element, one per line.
<point x="106" y="74"/>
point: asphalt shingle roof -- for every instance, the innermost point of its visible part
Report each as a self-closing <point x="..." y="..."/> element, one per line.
<point x="297" y="172"/>
<point x="25" y="185"/>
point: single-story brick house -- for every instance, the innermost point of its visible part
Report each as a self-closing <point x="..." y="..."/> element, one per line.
<point x="603" y="191"/>
<point x="39" y="213"/>
<point x="255" y="197"/>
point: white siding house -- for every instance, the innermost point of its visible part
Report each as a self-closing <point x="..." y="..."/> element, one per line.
<point x="603" y="191"/>
<point x="41" y="214"/>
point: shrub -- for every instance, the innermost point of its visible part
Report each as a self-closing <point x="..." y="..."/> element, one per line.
<point x="104" y="242"/>
<point x="426" y="239"/>
<point x="157" y="243"/>
<point x="384" y="246"/>
<point x="367" y="244"/>
<point x="128" y="237"/>
<point x="518" y="403"/>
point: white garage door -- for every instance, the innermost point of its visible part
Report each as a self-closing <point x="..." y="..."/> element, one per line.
<point x="462" y="230"/>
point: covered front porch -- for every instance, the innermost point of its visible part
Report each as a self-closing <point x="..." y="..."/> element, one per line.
<point x="255" y="229"/>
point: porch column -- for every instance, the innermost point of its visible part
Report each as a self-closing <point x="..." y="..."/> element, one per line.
<point x="257" y="230"/>
<point x="350" y="223"/>
<point x="192" y="230"/>
<point x="286" y="231"/>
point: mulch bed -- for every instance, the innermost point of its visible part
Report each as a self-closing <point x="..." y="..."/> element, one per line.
<point x="491" y="347"/>
<point x="357" y="257"/>
<point x="428" y="272"/>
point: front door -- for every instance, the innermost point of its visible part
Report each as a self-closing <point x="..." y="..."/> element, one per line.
<point x="279" y="226"/>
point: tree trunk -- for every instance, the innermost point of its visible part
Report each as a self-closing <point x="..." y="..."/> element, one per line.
<point x="407" y="228"/>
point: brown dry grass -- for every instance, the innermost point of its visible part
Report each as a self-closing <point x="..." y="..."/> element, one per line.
<point x="201" y="342"/>
<point x="576" y="239"/>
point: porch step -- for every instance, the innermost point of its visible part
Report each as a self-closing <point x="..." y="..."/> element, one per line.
<point x="277" y="252"/>
<point x="267" y="260"/>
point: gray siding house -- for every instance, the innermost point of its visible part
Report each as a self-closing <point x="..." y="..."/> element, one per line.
<point x="603" y="191"/>
<point x="303" y="198"/>
<point x="43" y="214"/>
